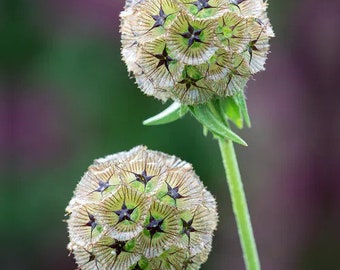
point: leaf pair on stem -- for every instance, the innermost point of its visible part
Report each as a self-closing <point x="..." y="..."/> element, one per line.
<point x="214" y="116"/>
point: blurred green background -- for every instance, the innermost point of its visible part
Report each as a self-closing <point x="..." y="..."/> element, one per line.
<point x="66" y="99"/>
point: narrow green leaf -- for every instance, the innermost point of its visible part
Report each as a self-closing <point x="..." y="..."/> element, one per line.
<point x="170" y="114"/>
<point x="214" y="107"/>
<point x="243" y="107"/>
<point x="212" y="122"/>
<point x="230" y="107"/>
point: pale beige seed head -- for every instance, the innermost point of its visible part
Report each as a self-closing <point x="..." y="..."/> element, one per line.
<point x="141" y="209"/>
<point x="192" y="51"/>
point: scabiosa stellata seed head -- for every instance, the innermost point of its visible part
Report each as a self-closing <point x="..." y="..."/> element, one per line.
<point x="191" y="51"/>
<point x="141" y="209"/>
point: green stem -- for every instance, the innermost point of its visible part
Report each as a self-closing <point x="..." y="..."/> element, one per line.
<point x="240" y="207"/>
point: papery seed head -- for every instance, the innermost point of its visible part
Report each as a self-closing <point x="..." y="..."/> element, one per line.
<point x="227" y="41"/>
<point x="141" y="209"/>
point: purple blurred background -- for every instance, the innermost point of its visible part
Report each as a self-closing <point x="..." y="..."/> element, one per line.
<point x="65" y="99"/>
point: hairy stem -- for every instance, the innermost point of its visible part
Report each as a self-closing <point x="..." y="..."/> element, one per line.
<point x="240" y="206"/>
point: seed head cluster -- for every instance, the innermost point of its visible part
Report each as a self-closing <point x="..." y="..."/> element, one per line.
<point x="141" y="209"/>
<point x="192" y="51"/>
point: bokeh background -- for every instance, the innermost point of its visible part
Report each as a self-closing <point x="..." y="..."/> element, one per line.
<point x="65" y="99"/>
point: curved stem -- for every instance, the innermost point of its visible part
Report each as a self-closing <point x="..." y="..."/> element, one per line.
<point x="239" y="204"/>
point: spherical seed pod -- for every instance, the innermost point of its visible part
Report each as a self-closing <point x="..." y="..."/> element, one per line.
<point x="192" y="51"/>
<point x="141" y="209"/>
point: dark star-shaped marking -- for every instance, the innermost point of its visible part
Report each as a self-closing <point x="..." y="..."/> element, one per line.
<point x="92" y="222"/>
<point x="252" y="47"/>
<point x="143" y="178"/>
<point x="159" y="19"/>
<point x="124" y="213"/>
<point x="187" y="227"/>
<point x="189" y="81"/>
<point x="252" y="44"/>
<point x="192" y="35"/>
<point x="102" y="186"/>
<point x="201" y="4"/>
<point x="118" y="246"/>
<point x="154" y="226"/>
<point x="164" y="59"/>
<point x="173" y="192"/>
<point x="92" y="257"/>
